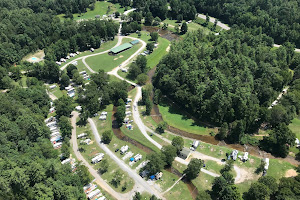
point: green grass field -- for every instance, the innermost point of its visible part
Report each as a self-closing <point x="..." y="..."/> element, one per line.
<point x="295" y="127"/>
<point x="105" y="46"/>
<point x="201" y="21"/>
<point x="176" y="118"/>
<point x="154" y="58"/>
<point x="101" y="8"/>
<point x="108" y="62"/>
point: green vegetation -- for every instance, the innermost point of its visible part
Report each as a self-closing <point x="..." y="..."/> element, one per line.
<point x="295" y="127"/>
<point x="175" y="117"/>
<point x="107" y="62"/>
<point x="101" y="8"/>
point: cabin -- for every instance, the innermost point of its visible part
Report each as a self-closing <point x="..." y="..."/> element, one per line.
<point x="184" y="153"/>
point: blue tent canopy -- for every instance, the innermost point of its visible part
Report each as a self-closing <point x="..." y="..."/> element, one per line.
<point x="131" y="159"/>
<point x="152" y="177"/>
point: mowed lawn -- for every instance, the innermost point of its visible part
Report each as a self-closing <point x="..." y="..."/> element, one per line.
<point x="295" y="127"/>
<point x="158" y="53"/>
<point x="178" y="119"/>
<point x="108" y="62"/>
<point x="101" y="8"/>
<point x="105" y="46"/>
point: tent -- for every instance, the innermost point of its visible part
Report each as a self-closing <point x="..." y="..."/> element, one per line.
<point x="152" y="177"/>
<point x="131" y="159"/>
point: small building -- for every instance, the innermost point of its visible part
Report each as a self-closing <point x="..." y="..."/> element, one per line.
<point x="184" y="153"/>
<point x="234" y="154"/>
<point x="51" y="124"/>
<point x="58" y="63"/>
<point x="124" y="149"/>
<point x="87" y="141"/>
<point x="81" y="135"/>
<point x="134" y="42"/>
<point x="128" y="100"/>
<point x="78" y="108"/>
<point x="93" y="194"/>
<point x="82" y="72"/>
<point x="92" y="49"/>
<point x="68" y="57"/>
<point x="102" y="117"/>
<point x="120" y="48"/>
<point x="195" y="144"/>
<point x="68" y="160"/>
<point x="124" y="70"/>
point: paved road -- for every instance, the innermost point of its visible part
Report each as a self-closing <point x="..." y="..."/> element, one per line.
<point x="212" y="20"/>
<point x="226" y="27"/>
<point x="93" y="172"/>
<point x="139" y="180"/>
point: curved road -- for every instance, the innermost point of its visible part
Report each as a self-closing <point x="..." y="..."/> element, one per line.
<point x="226" y="27"/>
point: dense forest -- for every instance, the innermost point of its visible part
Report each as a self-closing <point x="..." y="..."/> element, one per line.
<point x="25" y="29"/>
<point x="280" y="19"/>
<point x="29" y="166"/>
<point x="230" y="80"/>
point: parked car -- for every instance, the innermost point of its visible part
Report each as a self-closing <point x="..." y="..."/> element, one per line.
<point x="116" y="150"/>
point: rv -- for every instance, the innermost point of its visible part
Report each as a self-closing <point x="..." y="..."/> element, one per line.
<point x="93" y="194"/>
<point x="98" y="158"/>
<point x="124" y="149"/>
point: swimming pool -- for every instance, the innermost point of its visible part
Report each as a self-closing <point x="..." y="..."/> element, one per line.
<point x="33" y="58"/>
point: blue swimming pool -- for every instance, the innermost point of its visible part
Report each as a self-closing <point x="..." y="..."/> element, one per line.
<point x="34" y="58"/>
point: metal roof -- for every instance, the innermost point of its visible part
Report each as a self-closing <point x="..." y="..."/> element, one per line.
<point x="134" y="42"/>
<point x="121" y="48"/>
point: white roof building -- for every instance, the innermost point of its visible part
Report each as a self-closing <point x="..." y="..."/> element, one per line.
<point x="124" y="149"/>
<point x="98" y="158"/>
<point x="94" y="193"/>
<point x="81" y="135"/>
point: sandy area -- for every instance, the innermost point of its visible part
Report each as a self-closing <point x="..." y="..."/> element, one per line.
<point x="115" y="58"/>
<point x="39" y="55"/>
<point x="168" y="48"/>
<point x="290" y="173"/>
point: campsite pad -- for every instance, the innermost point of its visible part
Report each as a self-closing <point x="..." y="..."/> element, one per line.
<point x="127" y="155"/>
